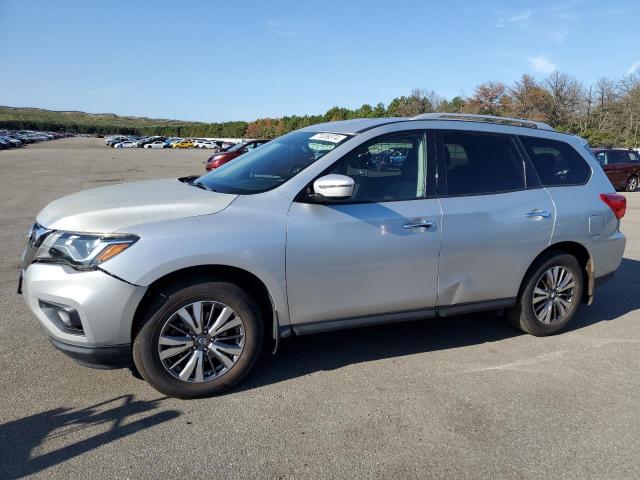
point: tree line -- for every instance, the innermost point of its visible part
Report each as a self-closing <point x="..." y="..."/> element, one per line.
<point x="606" y="113"/>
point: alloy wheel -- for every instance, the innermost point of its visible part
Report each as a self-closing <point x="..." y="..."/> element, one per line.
<point x="201" y="341"/>
<point x="553" y="295"/>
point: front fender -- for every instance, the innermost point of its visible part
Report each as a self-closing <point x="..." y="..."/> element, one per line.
<point x="241" y="236"/>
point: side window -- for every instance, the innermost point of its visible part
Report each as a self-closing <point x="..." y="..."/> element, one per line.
<point x="557" y="163"/>
<point x="633" y="157"/>
<point x="386" y="169"/>
<point x="602" y="158"/>
<point x="616" y="156"/>
<point x="481" y="164"/>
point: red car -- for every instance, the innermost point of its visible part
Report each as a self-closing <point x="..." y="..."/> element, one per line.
<point x="220" y="158"/>
<point x="621" y="165"/>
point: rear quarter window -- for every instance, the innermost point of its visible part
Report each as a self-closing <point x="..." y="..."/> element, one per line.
<point x="557" y="163"/>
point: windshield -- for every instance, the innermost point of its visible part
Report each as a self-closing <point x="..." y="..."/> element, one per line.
<point x="236" y="147"/>
<point x="271" y="164"/>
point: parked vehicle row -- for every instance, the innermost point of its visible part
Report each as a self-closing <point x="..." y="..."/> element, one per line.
<point x="132" y="141"/>
<point x="20" y="138"/>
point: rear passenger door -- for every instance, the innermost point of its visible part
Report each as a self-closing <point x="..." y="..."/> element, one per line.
<point x="496" y="217"/>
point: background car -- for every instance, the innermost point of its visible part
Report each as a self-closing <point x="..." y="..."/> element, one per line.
<point x="125" y="144"/>
<point x="183" y="144"/>
<point x="621" y="165"/>
<point x="198" y="142"/>
<point x="156" y="144"/>
<point x="220" y="158"/>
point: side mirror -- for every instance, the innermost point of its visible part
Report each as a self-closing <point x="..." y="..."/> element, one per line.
<point x="334" y="186"/>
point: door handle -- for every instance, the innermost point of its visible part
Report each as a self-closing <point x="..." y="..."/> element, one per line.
<point x="420" y="224"/>
<point x="538" y="214"/>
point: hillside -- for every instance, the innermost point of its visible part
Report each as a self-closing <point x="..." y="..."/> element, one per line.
<point x="81" y="122"/>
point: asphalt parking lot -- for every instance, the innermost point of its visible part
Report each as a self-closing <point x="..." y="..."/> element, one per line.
<point x="462" y="397"/>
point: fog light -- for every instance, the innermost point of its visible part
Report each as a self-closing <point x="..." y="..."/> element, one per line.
<point x="64" y="317"/>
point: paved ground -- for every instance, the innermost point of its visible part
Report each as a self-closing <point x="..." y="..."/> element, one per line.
<point x="465" y="397"/>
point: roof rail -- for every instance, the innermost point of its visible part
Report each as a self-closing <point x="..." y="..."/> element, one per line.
<point x="468" y="117"/>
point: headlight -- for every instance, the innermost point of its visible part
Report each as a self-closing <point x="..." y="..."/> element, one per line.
<point x="82" y="251"/>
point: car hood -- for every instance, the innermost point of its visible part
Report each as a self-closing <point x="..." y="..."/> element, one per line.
<point x="115" y="207"/>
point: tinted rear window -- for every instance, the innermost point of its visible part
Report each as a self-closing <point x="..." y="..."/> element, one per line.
<point x="557" y="163"/>
<point x="623" y="156"/>
<point x="481" y="164"/>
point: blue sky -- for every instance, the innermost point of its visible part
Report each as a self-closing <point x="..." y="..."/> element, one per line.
<point x="242" y="60"/>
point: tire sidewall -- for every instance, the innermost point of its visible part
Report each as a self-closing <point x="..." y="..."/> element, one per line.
<point x="145" y="347"/>
<point x="560" y="260"/>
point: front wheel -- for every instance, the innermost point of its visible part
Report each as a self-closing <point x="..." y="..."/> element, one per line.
<point x="550" y="295"/>
<point x="632" y="184"/>
<point x="201" y="341"/>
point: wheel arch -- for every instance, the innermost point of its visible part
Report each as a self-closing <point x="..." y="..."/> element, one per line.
<point x="581" y="253"/>
<point x="247" y="280"/>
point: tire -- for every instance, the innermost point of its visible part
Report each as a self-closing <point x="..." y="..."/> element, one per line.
<point x="162" y="318"/>
<point x="523" y="314"/>
<point x="632" y="184"/>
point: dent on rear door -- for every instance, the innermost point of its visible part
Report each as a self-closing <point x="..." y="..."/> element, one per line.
<point x="489" y="242"/>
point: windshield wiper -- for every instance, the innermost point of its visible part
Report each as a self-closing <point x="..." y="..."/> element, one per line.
<point x="202" y="186"/>
<point x="191" y="180"/>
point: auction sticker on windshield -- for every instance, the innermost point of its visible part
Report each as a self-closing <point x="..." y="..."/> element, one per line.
<point x="329" y="137"/>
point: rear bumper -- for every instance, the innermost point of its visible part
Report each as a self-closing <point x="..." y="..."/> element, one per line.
<point x="607" y="253"/>
<point x="116" y="356"/>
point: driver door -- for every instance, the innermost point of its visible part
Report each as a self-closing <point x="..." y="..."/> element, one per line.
<point x="373" y="258"/>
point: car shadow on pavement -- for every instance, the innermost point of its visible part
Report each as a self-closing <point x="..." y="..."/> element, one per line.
<point x="613" y="299"/>
<point x="32" y="444"/>
<point x="304" y="355"/>
<point x="327" y="351"/>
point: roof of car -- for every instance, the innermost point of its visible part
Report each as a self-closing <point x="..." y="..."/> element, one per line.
<point x="622" y="149"/>
<point x="356" y="125"/>
<point x="359" y="125"/>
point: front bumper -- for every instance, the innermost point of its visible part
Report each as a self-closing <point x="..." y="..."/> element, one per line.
<point x="104" y="304"/>
<point x="116" y="356"/>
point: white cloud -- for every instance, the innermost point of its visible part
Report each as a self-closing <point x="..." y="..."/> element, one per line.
<point x="634" y="68"/>
<point x="542" y="64"/>
<point x="280" y="28"/>
<point x="520" y="17"/>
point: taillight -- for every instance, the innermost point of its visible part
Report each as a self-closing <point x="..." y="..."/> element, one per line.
<point x="617" y="203"/>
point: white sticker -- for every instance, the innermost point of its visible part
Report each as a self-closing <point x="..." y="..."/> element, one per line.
<point x="329" y="137"/>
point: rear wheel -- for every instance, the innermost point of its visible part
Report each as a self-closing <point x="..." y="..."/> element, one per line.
<point x="201" y="341"/>
<point x="550" y="295"/>
<point x="632" y="184"/>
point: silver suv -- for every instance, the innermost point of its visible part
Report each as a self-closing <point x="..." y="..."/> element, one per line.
<point x="338" y="225"/>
